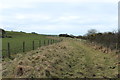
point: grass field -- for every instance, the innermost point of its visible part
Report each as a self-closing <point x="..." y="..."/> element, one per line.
<point x="68" y="59"/>
<point x="16" y="42"/>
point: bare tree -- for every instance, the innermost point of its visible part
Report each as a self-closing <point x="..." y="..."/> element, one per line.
<point x="91" y="31"/>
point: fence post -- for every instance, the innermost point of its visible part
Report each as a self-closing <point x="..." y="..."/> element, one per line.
<point x="54" y="41"/>
<point x="44" y="42"/>
<point x="51" y="41"/>
<point x="39" y="43"/>
<point x="9" y="50"/>
<point x="116" y="46"/>
<point x="23" y="46"/>
<point x="48" y="42"/>
<point x="33" y="45"/>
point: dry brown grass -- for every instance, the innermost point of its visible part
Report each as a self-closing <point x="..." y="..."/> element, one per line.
<point x="69" y="58"/>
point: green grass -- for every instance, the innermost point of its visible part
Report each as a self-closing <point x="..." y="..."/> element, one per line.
<point x="16" y="42"/>
<point x="95" y="63"/>
<point x="68" y="59"/>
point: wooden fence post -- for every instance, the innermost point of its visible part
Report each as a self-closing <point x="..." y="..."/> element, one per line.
<point x="44" y="43"/>
<point x="40" y="43"/>
<point x="33" y="45"/>
<point x="116" y="46"/>
<point x="48" y="42"/>
<point x="9" y="50"/>
<point x="54" y="41"/>
<point x="51" y="41"/>
<point x="23" y="46"/>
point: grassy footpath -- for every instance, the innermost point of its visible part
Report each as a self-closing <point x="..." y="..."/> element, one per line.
<point x="67" y="59"/>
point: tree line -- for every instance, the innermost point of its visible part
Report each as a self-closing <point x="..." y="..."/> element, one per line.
<point x="108" y="39"/>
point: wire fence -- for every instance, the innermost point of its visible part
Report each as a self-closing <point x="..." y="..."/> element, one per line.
<point x="24" y="47"/>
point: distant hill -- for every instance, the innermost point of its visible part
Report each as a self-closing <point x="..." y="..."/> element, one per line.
<point x="2" y="33"/>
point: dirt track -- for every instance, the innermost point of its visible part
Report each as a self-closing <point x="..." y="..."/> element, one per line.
<point x="69" y="58"/>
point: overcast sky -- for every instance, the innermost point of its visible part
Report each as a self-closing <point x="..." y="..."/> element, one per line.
<point x="59" y="16"/>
